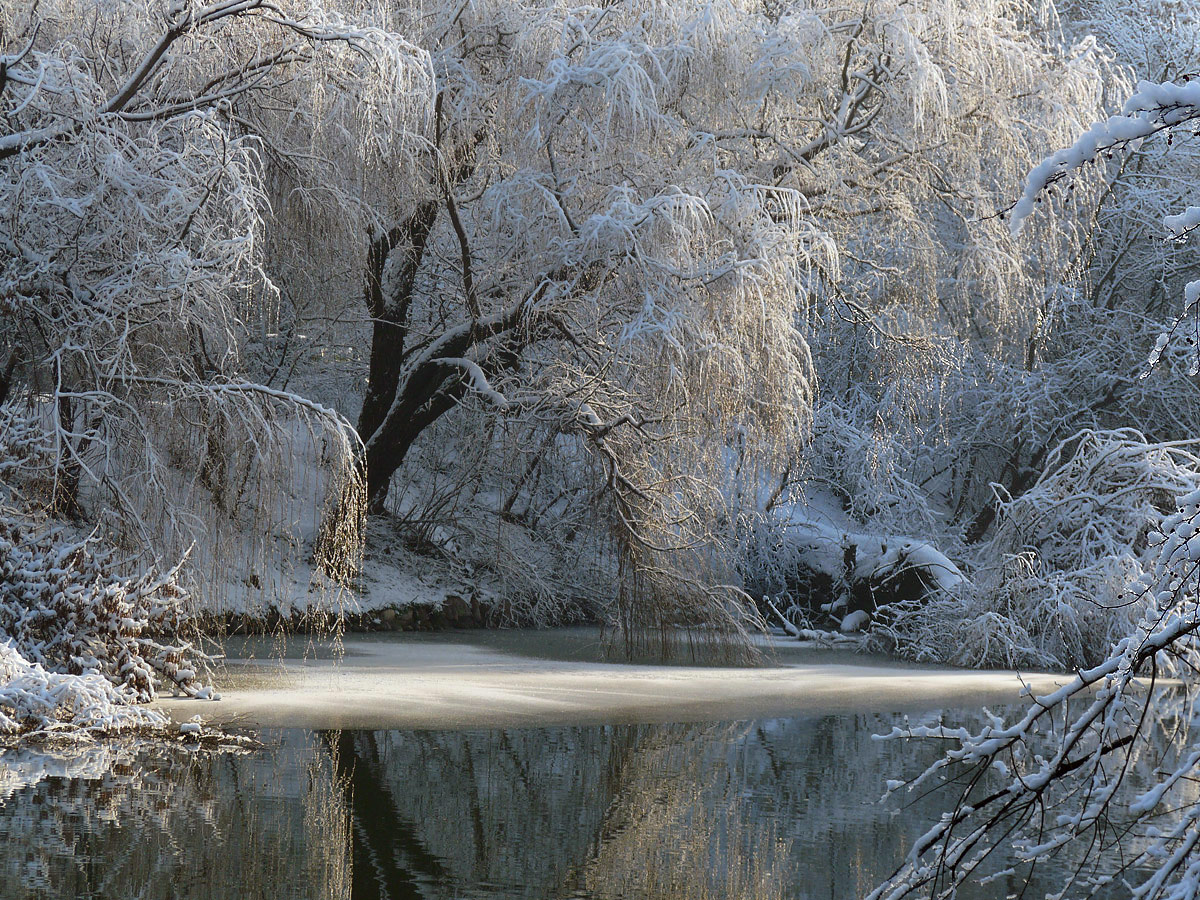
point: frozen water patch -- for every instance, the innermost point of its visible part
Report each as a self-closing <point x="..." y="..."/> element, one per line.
<point x="457" y="682"/>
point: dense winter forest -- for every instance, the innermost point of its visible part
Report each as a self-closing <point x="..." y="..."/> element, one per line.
<point x="871" y="321"/>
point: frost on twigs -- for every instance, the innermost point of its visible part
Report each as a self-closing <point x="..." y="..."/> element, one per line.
<point x="1095" y="779"/>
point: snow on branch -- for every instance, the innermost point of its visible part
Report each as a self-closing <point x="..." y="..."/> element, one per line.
<point x="194" y="58"/>
<point x="1153" y="108"/>
<point x="477" y="379"/>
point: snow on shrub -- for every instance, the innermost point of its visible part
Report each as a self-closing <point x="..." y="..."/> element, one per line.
<point x="81" y="639"/>
<point x="1052" y="586"/>
<point x="82" y="642"/>
<point x="24" y="444"/>
<point x="33" y="700"/>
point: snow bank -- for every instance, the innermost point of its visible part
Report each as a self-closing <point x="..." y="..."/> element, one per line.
<point x="858" y="570"/>
<point x="33" y="700"/>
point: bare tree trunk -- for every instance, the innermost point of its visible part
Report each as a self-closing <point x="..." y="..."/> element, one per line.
<point x="388" y="302"/>
<point x="67" y="478"/>
<point x="388" y="446"/>
<point x="6" y="377"/>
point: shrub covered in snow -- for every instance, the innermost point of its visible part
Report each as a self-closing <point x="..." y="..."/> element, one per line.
<point x="64" y="606"/>
<point x="35" y="701"/>
<point x="1052" y="586"/>
<point x="82" y="642"/>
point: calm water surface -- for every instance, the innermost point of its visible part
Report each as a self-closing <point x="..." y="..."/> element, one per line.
<point x="775" y="808"/>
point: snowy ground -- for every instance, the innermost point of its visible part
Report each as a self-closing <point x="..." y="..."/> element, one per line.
<point x="482" y="679"/>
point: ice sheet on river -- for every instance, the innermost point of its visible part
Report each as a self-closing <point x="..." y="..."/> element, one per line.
<point x="479" y="680"/>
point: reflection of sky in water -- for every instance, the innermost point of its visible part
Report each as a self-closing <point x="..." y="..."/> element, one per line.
<point x="782" y="808"/>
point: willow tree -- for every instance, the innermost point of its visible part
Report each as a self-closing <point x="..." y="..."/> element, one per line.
<point x="619" y="229"/>
<point x="130" y="263"/>
<point x="567" y="248"/>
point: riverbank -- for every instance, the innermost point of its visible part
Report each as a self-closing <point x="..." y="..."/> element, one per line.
<point x="492" y="679"/>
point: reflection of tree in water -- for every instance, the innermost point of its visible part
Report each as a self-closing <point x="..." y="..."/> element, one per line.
<point x="641" y="811"/>
<point x="821" y="779"/>
<point x="630" y="811"/>
<point x="775" y="808"/>
<point x="435" y="812"/>
<point x="388" y="858"/>
<point x="770" y="809"/>
<point x="549" y="812"/>
<point x="125" y="820"/>
<point x="679" y="825"/>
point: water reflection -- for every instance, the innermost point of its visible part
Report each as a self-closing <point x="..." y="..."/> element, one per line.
<point x="649" y="811"/>
<point x="122" y="820"/>
<point x="779" y="808"/>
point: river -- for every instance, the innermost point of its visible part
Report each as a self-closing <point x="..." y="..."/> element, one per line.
<point x="621" y="802"/>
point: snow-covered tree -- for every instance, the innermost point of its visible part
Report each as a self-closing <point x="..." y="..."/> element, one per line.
<point x="629" y="229"/>
<point x="1063" y="765"/>
<point x="130" y="263"/>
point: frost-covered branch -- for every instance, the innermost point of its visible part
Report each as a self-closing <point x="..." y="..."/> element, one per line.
<point x="1064" y="766"/>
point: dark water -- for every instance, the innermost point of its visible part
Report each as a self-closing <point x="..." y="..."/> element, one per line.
<point x="777" y="808"/>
